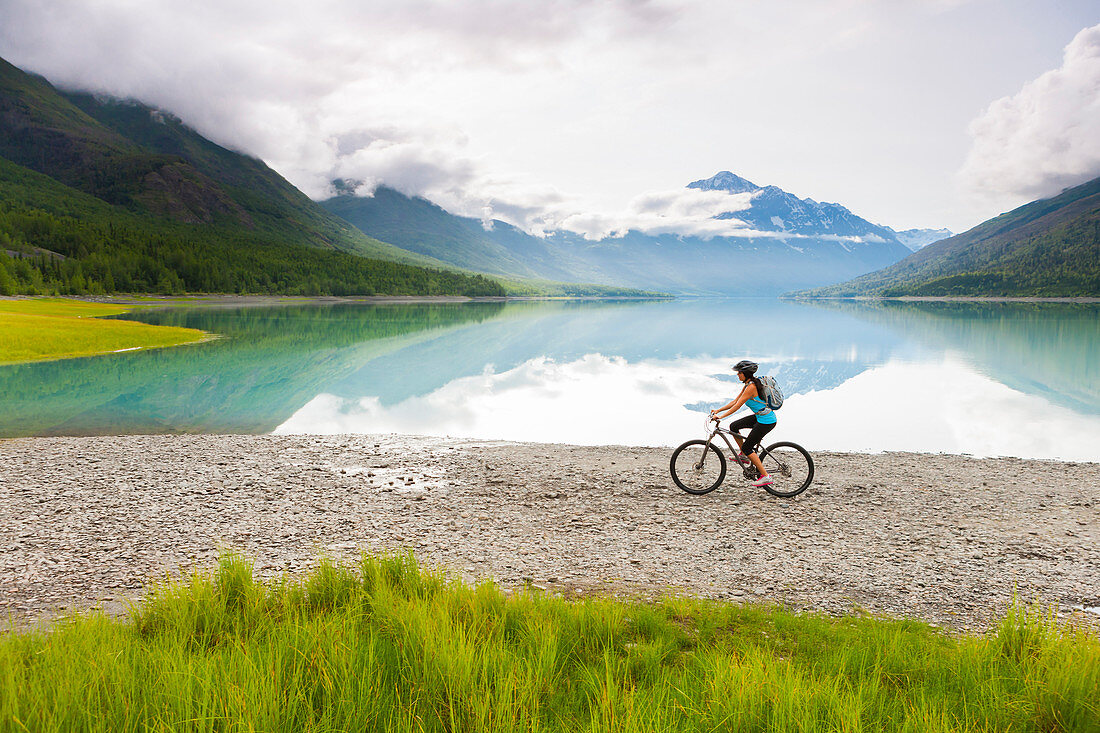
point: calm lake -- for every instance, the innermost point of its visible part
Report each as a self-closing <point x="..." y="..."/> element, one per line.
<point x="1015" y="379"/>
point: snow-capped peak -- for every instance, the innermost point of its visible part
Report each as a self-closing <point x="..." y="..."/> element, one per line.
<point x="725" y="181"/>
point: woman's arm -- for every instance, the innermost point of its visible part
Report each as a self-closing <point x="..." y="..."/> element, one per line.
<point x="723" y="408"/>
<point x="732" y="407"/>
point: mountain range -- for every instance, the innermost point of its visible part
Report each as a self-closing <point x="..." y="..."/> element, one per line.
<point x="795" y="243"/>
<point x="775" y="210"/>
<point x="103" y="195"/>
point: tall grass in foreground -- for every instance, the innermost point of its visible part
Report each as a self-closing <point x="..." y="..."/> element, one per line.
<point x="388" y="646"/>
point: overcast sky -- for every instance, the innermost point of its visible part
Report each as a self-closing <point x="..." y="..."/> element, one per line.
<point x="593" y="115"/>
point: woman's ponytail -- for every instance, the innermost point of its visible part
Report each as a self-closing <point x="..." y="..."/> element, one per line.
<point x="759" y="386"/>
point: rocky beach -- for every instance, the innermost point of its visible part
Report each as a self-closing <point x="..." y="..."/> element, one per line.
<point x="943" y="538"/>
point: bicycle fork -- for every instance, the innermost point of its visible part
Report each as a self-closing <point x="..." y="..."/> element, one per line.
<point x="706" y="445"/>
<point x="702" y="456"/>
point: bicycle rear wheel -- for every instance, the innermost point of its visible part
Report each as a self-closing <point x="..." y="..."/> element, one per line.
<point x="790" y="466"/>
<point x="697" y="467"/>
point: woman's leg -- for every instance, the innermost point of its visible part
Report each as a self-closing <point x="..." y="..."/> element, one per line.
<point x="745" y="422"/>
<point x="752" y="442"/>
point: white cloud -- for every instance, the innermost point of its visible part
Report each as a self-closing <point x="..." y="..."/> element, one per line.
<point x="457" y="185"/>
<point x="413" y="164"/>
<point x="538" y="112"/>
<point x="685" y="211"/>
<point x="1044" y="138"/>
<point x="294" y="84"/>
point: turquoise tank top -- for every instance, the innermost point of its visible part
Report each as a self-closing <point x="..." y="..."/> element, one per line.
<point x="756" y="405"/>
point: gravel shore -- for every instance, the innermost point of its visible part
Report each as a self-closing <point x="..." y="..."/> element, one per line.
<point x="947" y="539"/>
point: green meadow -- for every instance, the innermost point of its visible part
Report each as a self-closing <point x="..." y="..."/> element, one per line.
<point x="37" y="329"/>
<point x="384" y="645"/>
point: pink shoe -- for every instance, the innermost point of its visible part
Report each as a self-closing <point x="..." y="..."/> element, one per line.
<point x="763" y="481"/>
<point x="741" y="459"/>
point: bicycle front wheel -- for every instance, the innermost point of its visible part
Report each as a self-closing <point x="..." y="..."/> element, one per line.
<point x="790" y="466"/>
<point x="697" y="467"/>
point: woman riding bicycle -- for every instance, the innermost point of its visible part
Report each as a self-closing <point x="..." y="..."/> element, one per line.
<point x="759" y="424"/>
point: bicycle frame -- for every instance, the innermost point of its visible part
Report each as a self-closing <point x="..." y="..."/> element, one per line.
<point x="722" y="433"/>
<point x="718" y="430"/>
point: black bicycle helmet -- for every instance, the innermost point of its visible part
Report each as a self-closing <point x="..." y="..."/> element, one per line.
<point x="746" y="367"/>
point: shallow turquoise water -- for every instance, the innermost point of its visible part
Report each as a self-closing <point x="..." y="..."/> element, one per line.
<point x="988" y="379"/>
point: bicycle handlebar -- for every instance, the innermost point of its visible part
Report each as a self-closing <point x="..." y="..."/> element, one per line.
<point x="711" y="422"/>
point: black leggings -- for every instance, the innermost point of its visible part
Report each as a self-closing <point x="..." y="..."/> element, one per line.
<point x="758" y="431"/>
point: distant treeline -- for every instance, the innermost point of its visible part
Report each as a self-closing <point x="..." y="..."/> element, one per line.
<point x="107" y="254"/>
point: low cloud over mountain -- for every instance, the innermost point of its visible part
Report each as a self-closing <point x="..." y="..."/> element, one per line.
<point x="552" y="115"/>
<point x="748" y="239"/>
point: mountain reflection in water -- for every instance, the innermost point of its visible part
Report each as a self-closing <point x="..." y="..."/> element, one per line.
<point x="268" y="362"/>
<point x="956" y="377"/>
<point x="1047" y="349"/>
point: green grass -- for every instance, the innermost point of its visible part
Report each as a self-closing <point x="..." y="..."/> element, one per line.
<point x="37" y="329"/>
<point x="387" y="646"/>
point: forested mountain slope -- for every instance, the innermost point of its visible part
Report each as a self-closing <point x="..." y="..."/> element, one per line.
<point x="54" y="239"/>
<point x="420" y="226"/>
<point x="102" y="195"/>
<point x="1047" y="248"/>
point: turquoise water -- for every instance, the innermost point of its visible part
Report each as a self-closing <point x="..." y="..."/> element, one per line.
<point x="987" y="379"/>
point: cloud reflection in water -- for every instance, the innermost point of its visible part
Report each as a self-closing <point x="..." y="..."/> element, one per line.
<point x="941" y="406"/>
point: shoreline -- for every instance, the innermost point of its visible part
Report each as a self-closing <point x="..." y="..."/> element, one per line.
<point x="148" y="301"/>
<point x="945" y="539"/>
<point x="226" y="300"/>
<point x="949" y="298"/>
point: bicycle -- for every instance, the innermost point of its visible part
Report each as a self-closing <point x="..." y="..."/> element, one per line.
<point x="702" y="471"/>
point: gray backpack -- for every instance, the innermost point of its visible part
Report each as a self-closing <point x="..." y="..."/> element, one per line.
<point x="773" y="396"/>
